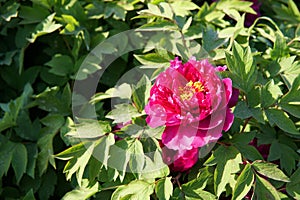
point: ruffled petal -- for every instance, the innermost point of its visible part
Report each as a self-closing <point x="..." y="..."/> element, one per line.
<point x="229" y="119"/>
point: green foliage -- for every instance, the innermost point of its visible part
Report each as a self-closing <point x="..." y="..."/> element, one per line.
<point x="110" y="152"/>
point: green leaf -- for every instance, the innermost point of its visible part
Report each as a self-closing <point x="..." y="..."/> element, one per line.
<point x="249" y="152"/>
<point x="123" y="113"/>
<point x="154" y="60"/>
<point x="19" y="161"/>
<point x="54" y="101"/>
<point x="270" y="94"/>
<point x="122" y="91"/>
<point x="26" y="129"/>
<point x="290" y="70"/>
<point x="280" y="48"/>
<point x="13" y="108"/>
<point x="29" y="195"/>
<point x="34" y="14"/>
<point x="6" y="153"/>
<point x="48" y="182"/>
<point x="78" y="164"/>
<point x="139" y="190"/>
<point x="73" y="151"/>
<point x="9" y="10"/>
<point x="290" y="102"/>
<point x="292" y="187"/>
<point x="211" y="40"/>
<point x="61" y="65"/>
<point x="164" y="188"/>
<point x="244" y="183"/>
<point x="242" y="111"/>
<point x="183" y="8"/>
<point x="44" y="27"/>
<point x="155" y="166"/>
<point x="285" y="154"/>
<point x="264" y="190"/>
<point x="141" y="93"/>
<point x="228" y="160"/>
<point x="136" y="153"/>
<point x="119" y="156"/>
<point x="242" y="67"/>
<point x="102" y="148"/>
<point x="45" y="142"/>
<point x="195" y="189"/>
<point x="89" y="128"/>
<point x="82" y="192"/>
<point x="32" y="154"/>
<point x="281" y="119"/>
<point x="270" y="170"/>
<point x="159" y="26"/>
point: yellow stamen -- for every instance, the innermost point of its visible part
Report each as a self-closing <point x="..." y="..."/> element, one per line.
<point x="190" y="89"/>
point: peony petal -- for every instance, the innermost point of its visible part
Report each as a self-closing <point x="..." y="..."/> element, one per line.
<point x="156" y="115"/>
<point x="228" y="88"/>
<point x="229" y="120"/>
<point x="179" y="137"/>
<point x="208" y="136"/>
<point x="234" y="97"/>
<point x="180" y="161"/>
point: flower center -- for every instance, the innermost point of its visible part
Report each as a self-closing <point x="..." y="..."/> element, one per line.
<point x="190" y="89"/>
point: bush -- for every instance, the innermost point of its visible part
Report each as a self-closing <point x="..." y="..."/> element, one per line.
<point x="76" y="78"/>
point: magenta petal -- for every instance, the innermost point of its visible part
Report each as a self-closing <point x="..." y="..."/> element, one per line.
<point x="179" y="137"/>
<point x="228" y="88"/>
<point x="204" y="137"/>
<point x="229" y="119"/>
<point x="156" y="115"/>
<point x="234" y="97"/>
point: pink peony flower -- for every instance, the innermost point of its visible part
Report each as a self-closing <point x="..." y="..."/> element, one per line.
<point x="192" y="102"/>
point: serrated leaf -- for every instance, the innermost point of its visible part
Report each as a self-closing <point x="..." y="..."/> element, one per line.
<point x="249" y="152"/>
<point x="244" y="183"/>
<point x="6" y="153"/>
<point x="19" y="161"/>
<point x="9" y="10"/>
<point x="228" y="160"/>
<point x="291" y="100"/>
<point x="158" y="26"/>
<point x="123" y="113"/>
<point x="51" y="100"/>
<point x="61" y="65"/>
<point x="78" y="164"/>
<point x="141" y="93"/>
<point x="264" y="190"/>
<point x="286" y="155"/>
<point x="13" y="108"/>
<point x="280" y="48"/>
<point x="211" y="40"/>
<point x="164" y="188"/>
<point x="138" y="190"/>
<point x="292" y="187"/>
<point x="154" y="166"/>
<point x="270" y="170"/>
<point x="29" y="195"/>
<point x="44" y="27"/>
<point x="122" y="91"/>
<point x="270" y="93"/>
<point x="183" y="8"/>
<point x="71" y="152"/>
<point x="153" y="60"/>
<point x="82" y="192"/>
<point x="136" y="153"/>
<point x="102" y="148"/>
<point x="90" y="128"/>
<point x="281" y="119"/>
